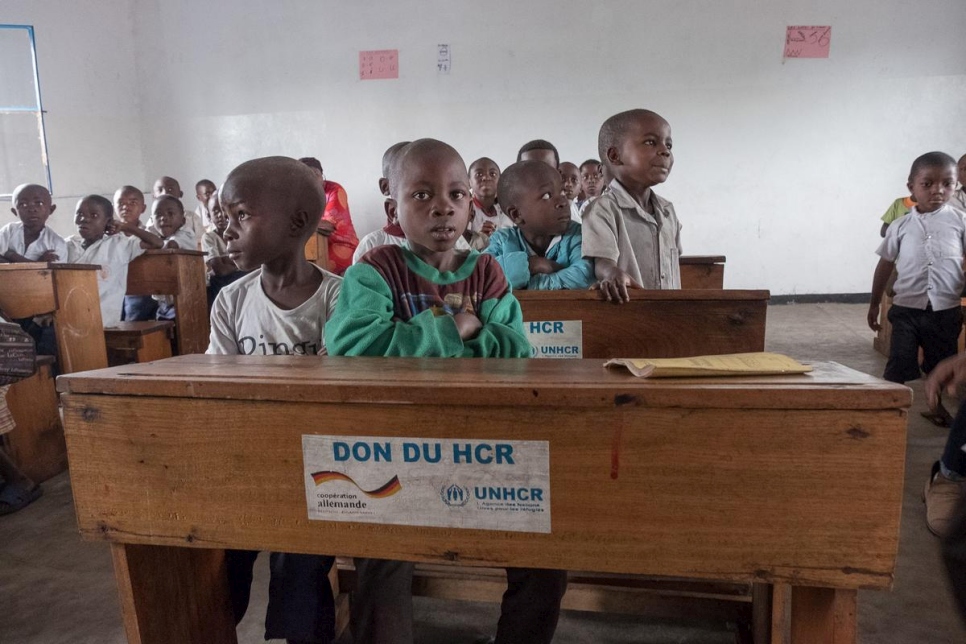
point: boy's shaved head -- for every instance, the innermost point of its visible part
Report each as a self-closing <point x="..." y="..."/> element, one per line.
<point x="414" y="152"/>
<point x="615" y="129"/>
<point x="930" y="160"/>
<point x="280" y="185"/>
<point x="29" y="187"/>
<point x="205" y="182"/>
<point x="539" y="144"/>
<point x="166" y="198"/>
<point x="391" y="152"/>
<point x="483" y="160"/>
<point x="129" y="190"/>
<point x="520" y="176"/>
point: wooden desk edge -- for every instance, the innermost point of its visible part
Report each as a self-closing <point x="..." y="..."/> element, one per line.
<point x="702" y="259"/>
<point x="651" y="295"/>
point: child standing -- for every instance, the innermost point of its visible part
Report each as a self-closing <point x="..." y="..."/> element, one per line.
<point x="424" y="301"/>
<point x="273" y="206"/>
<point x="896" y="210"/>
<point x="203" y="191"/>
<point x="590" y="183"/>
<point x="129" y="206"/>
<point x="30" y="240"/>
<point x="169" y="220"/>
<point x="543" y="250"/>
<point x="336" y="222"/>
<point x="571" y="187"/>
<point x="97" y="242"/>
<point x="487" y="216"/>
<point x="632" y="234"/>
<point x="926" y="248"/>
<point x="958" y="199"/>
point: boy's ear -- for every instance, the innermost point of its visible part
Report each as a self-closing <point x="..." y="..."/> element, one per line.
<point x="298" y="222"/>
<point x="912" y="197"/>
<point x="53" y="207"/>
<point x="514" y="213"/>
<point x="614" y="156"/>
<point x="14" y="211"/>
<point x="390" y="206"/>
<point x="384" y="186"/>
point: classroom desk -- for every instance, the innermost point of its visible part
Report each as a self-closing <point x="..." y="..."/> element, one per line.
<point x="317" y="250"/>
<point x="794" y="480"/>
<point x="702" y="271"/>
<point x="654" y="324"/>
<point x="69" y="292"/>
<point x="180" y="273"/>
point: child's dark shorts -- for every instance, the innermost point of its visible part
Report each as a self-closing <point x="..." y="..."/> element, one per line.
<point x="937" y="332"/>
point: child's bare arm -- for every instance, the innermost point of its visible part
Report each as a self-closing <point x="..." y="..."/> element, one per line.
<point x="612" y="281"/>
<point x="543" y="265"/>
<point x="882" y="273"/>
<point x="467" y="324"/>
<point x="222" y="265"/>
<point x="148" y="239"/>
<point x="15" y="257"/>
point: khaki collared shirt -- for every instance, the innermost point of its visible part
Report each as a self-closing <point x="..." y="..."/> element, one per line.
<point x="646" y="247"/>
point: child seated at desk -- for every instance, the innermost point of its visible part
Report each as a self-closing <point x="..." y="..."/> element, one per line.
<point x="221" y="270"/>
<point x="632" y="234"/>
<point x="169" y="220"/>
<point x="204" y="189"/>
<point x="590" y="183"/>
<point x="926" y="248"/>
<point x="97" y="242"/>
<point x="571" y="187"/>
<point x="30" y="240"/>
<point x="390" y="234"/>
<point x="171" y="188"/>
<point x="542" y="252"/>
<point x="487" y="216"/>
<point x="425" y="301"/>
<point x="129" y="206"/>
<point x="273" y="207"/>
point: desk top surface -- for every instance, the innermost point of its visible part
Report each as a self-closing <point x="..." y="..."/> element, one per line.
<point x="465" y="382"/>
<point x="639" y="295"/>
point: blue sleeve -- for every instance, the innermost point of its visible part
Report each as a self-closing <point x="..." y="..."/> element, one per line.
<point x="364" y="323"/>
<point x="515" y="263"/>
<point x="577" y="274"/>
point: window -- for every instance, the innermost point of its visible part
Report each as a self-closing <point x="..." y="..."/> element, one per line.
<point x="23" y="137"/>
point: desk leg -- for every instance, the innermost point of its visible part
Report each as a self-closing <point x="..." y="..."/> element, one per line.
<point x="173" y="595"/>
<point x="823" y="615"/>
<point x="191" y="305"/>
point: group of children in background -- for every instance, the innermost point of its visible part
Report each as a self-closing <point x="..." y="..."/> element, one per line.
<point x="921" y="266"/>
<point x="421" y="287"/>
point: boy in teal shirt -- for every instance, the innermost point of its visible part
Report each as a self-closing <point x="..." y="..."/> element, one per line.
<point x="542" y="252"/>
<point x="432" y="300"/>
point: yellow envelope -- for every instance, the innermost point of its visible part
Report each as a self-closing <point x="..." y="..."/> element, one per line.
<point x="735" y="364"/>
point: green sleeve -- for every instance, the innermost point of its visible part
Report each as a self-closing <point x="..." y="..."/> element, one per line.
<point x="502" y="335"/>
<point x="364" y="323"/>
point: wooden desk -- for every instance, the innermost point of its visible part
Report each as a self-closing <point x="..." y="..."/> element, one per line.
<point x="130" y="342"/>
<point x="180" y="273"/>
<point x="702" y="271"/>
<point x="69" y="292"/>
<point x="750" y="479"/>
<point x="655" y="324"/>
<point x="317" y="250"/>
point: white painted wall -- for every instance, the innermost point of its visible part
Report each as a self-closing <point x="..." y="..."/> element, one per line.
<point x="783" y="167"/>
<point x="85" y="54"/>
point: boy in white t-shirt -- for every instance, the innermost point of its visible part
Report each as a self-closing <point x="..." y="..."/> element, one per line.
<point x="97" y="242"/>
<point x="30" y="240"/>
<point x="274" y="206"/>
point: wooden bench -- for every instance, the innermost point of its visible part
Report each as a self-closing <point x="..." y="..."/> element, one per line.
<point x="69" y="293"/>
<point x="672" y="478"/>
<point x="317" y="250"/>
<point x="654" y="324"/>
<point x="131" y="342"/>
<point x="701" y="272"/>
<point x="181" y="274"/>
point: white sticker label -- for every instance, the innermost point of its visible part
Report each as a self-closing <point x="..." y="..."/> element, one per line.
<point x="557" y="339"/>
<point x="445" y="483"/>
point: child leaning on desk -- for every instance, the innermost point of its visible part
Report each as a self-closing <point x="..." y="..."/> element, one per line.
<point x="633" y="235"/>
<point x="280" y="308"/>
<point x="431" y="300"/>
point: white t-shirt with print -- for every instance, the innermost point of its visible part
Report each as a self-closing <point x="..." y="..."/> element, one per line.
<point x="245" y="322"/>
<point x="113" y="253"/>
<point x="11" y="239"/>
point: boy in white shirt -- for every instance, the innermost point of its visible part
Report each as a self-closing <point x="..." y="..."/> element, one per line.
<point x="221" y="270"/>
<point x="30" y="240"/>
<point x="570" y="176"/>
<point x="274" y="206"/>
<point x="97" y="242"/>
<point x="170" y="187"/>
<point x="169" y="220"/>
<point x="204" y="189"/>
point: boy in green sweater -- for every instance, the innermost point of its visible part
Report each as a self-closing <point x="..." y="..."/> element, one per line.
<point x="431" y="300"/>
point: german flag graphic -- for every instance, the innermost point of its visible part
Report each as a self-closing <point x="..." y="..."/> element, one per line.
<point x="386" y="490"/>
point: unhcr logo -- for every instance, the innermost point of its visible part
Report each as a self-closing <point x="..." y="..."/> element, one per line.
<point x="454" y="495"/>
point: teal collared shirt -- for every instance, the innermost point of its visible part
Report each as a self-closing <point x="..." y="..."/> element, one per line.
<point x="513" y="253"/>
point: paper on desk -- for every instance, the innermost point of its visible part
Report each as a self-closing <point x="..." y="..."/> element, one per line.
<point x="735" y="364"/>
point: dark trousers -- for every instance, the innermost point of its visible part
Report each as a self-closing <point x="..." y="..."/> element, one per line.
<point x="382" y="606"/>
<point x="937" y="332"/>
<point x="139" y="308"/>
<point x="300" y="602"/>
<point x="954" y="458"/>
